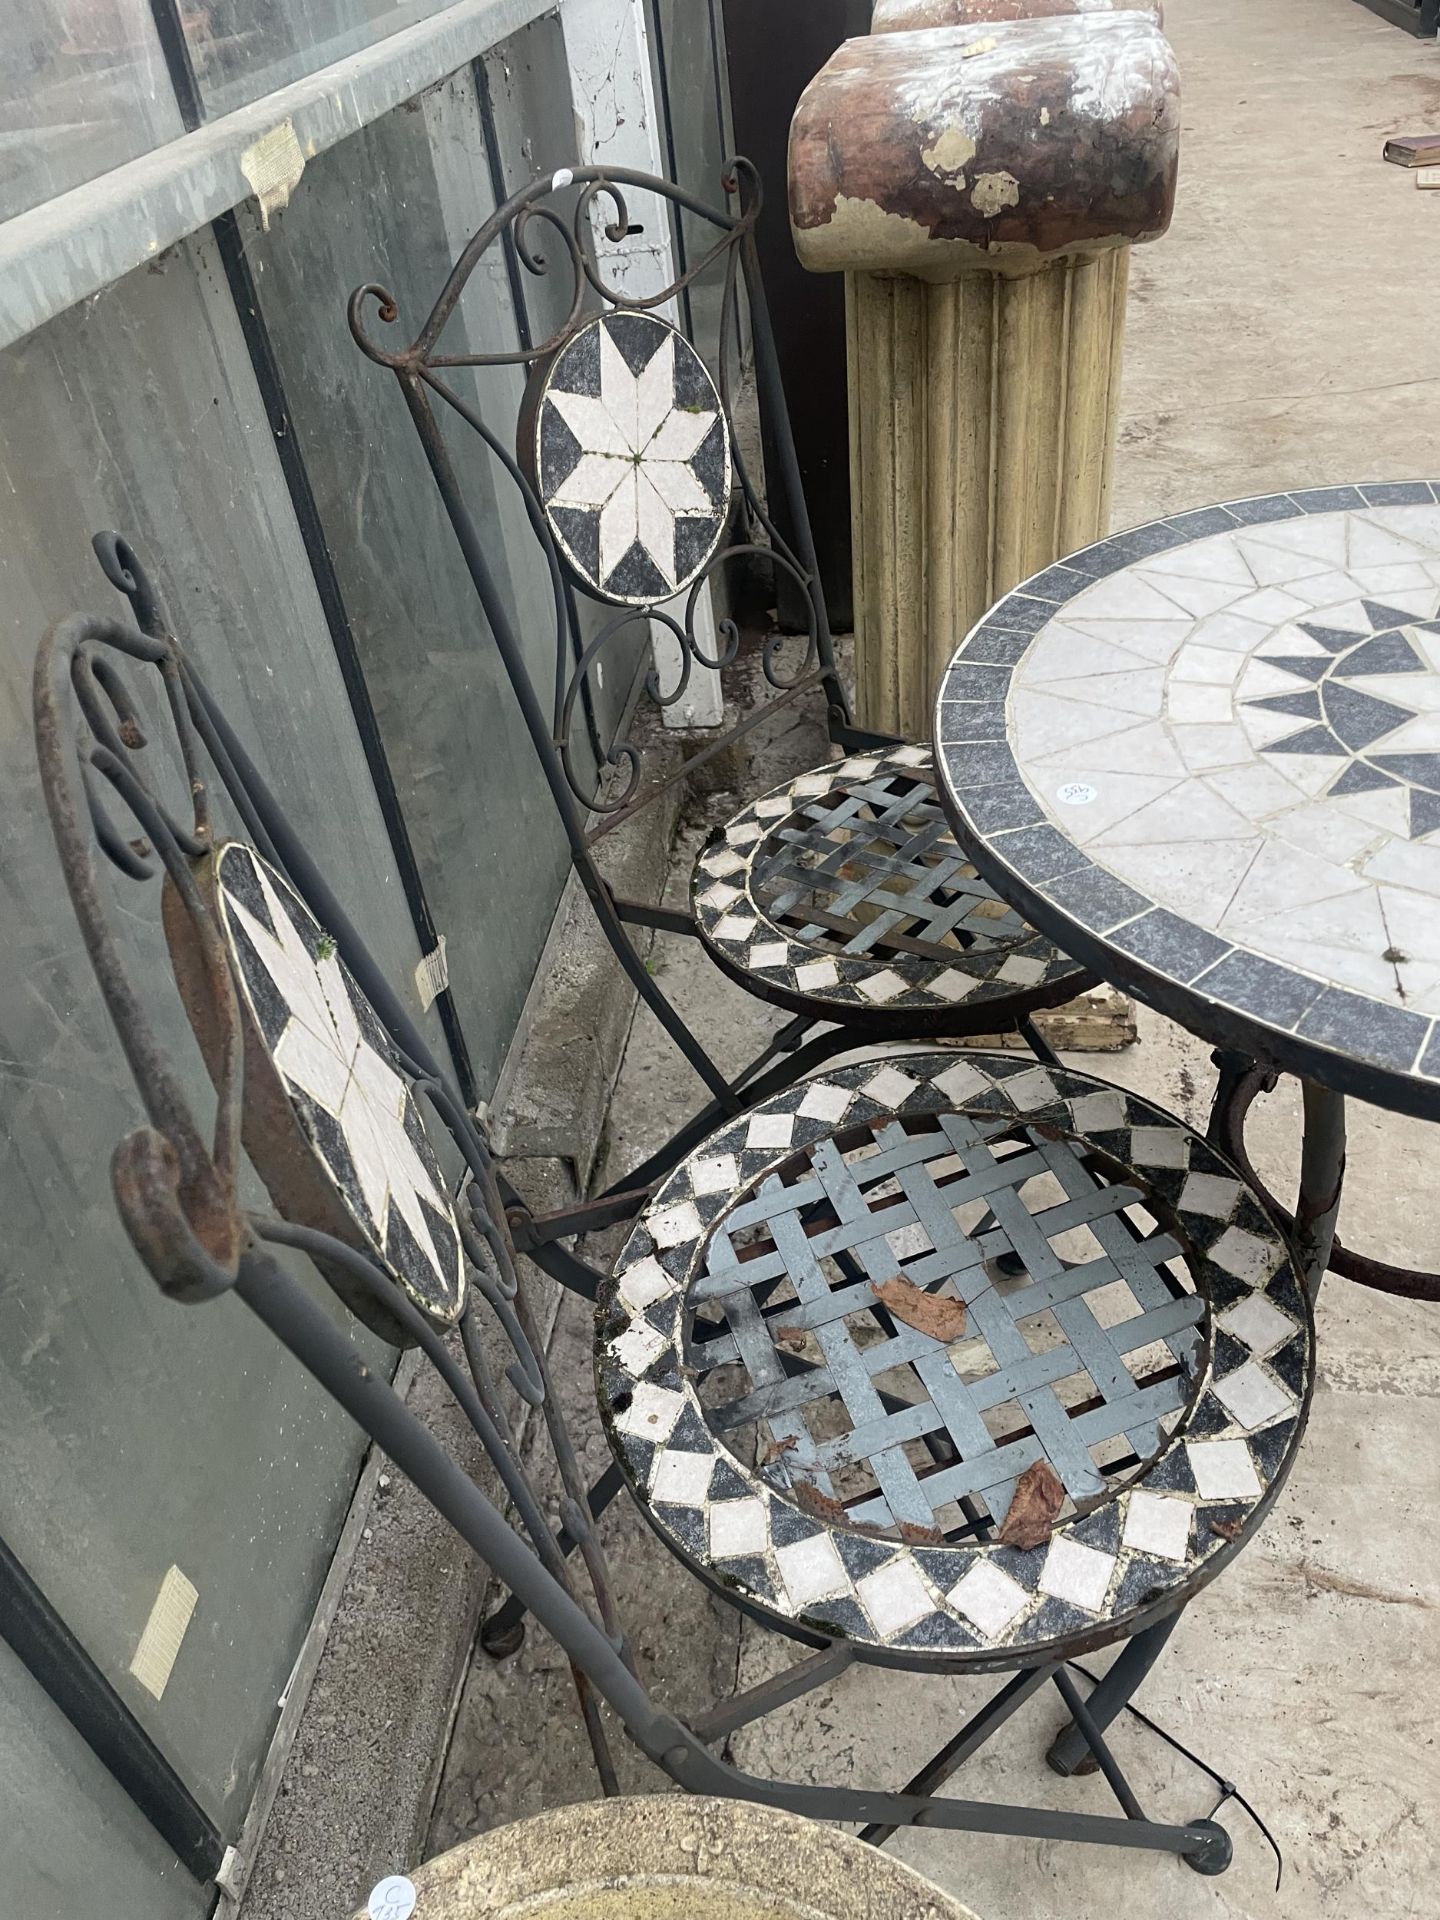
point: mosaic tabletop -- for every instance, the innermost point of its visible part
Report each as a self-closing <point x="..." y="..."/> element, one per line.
<point x="853" y="1321"/>
<point x="1204" y="757"/>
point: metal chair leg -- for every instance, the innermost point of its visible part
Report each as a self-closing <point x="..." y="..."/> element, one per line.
<point x="502" y="1633"/>
<point x="1210" y="1853"/>
<point x="1070" y="1752"/>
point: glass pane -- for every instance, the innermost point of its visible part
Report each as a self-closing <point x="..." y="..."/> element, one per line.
<point x="70" y="1829"/>
<point x="691" y="77"/>
<point x="242" y="49"/>
<point x="396" y="203"/>
<point x="140" y="1434"/>
<point x="82" y="89"/>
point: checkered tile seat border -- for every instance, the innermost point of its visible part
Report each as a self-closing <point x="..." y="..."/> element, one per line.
<point x="845" y="887"/>
<point x="835" y="1185"/>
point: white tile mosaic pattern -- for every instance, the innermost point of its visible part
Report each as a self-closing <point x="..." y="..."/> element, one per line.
<point x="631" y="458"/>
<point x="1250" y="694"/>
<point x="343" y="1078"/>
<point x="1077" y="1573"/>
<point x="959" y="1600"/>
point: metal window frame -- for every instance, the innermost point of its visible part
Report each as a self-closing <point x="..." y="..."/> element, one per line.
<point x="71" y="247"/>
<point x="52" y="1655"/>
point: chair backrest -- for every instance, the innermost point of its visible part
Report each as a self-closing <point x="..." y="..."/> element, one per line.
<point x="322" y="1079"/>
<point x="634" y="482"/>
<point x="623" y="450"/>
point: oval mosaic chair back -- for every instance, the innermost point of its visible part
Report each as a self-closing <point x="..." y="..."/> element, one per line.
<point x="625" y="453"/>
<point x="319" y="1070"/>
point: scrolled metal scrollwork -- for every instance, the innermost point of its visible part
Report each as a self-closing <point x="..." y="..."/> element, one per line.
<point x="607" y="783"/>
<point x="616" y="230"/>
<point x="387" y="311"/>
<point x="775" y="643"/>
<point x="515" y="220"/>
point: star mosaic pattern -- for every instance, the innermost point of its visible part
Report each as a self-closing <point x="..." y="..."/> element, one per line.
<point x="773" y="1212"/>
<point x="845" y="885"/>
<point x="1381" y="741"/>
<point x="632" y="458"/>
<point x="344" y="1080"/>
<point x="1205" y="756"/>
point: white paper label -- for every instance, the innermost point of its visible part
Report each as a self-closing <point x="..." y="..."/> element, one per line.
<point x="432" y="976"/>
<point x="159" y="1646"/>
<point x="393" y="1899"/>
<point x="1075" y="793"/>
<point x="272" y="167"/>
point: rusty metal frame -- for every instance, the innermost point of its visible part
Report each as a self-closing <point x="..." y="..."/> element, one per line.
<point x="176" y="1186"/>
<point x="532" y="228"/>
<point x="527" y="224"/>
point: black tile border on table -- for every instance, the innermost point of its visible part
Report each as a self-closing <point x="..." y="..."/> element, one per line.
<point x="1226" y="993"/>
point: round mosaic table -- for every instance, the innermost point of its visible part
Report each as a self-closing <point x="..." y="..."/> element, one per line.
<point x="1203" y="756"/>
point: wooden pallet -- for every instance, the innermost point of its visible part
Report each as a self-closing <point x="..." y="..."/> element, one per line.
<point x="1100" y="1021"/>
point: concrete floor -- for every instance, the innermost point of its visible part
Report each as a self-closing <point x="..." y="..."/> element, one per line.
<point x="1282" y="334"/>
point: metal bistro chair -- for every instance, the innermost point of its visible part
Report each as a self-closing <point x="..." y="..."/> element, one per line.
<point x="840" y="896"/>
<point x="826" y="1398"/>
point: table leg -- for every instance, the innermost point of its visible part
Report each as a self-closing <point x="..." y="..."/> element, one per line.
<point x="1322" y="1174"/>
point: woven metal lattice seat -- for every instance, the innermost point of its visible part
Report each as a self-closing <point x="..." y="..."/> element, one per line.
<point x="845" y="890"/>
<point x="839" y="1453"/>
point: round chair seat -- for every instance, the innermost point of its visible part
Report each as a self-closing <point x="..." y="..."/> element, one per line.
<point x="844" y="892"/>
<point x="825" y="1383"/>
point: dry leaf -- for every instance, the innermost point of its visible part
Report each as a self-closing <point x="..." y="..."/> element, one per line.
<point x="792" y="1337"/>
<point x="818" y="1503"/>
<point x="1039" y="1497"/>
<point x="936" y="1314"/>
<point x="1228" y="1529"/>
<point x="906" y="1530"/>
<point x="786" y="1445"/>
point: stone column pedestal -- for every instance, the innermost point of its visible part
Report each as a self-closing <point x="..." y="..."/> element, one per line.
<point x="980" y="186"/>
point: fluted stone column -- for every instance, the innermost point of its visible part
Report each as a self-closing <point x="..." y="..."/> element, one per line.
<point x="980" y="185"/>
